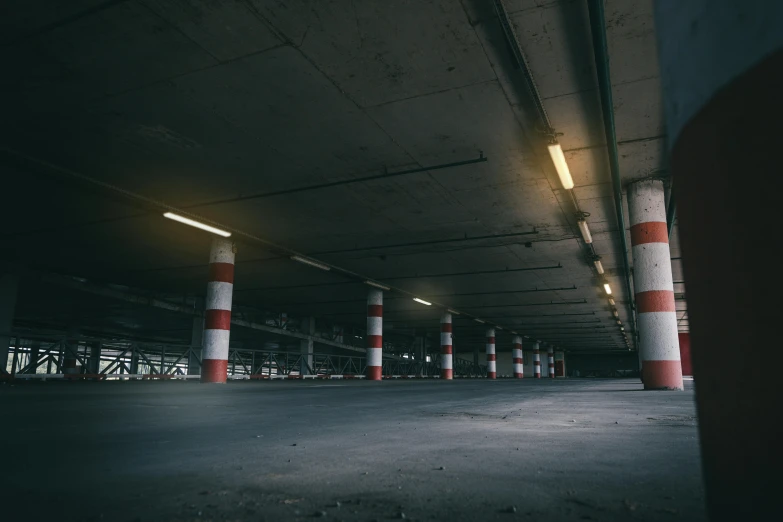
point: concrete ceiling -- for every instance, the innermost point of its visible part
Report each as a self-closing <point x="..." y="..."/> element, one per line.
<point x="191" y="102"/>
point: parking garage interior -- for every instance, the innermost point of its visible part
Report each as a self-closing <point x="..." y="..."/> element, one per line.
<point x="369" y="260"/>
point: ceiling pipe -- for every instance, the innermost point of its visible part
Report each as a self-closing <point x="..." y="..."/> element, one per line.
<point x="601" y="56"/>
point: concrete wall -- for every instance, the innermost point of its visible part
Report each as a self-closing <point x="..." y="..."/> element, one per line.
<point x="607" y="362"/>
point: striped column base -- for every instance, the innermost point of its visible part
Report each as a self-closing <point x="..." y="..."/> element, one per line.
<point x="214" y="370"/>
<point x="662" y="375"/>
<point x="447" y="374"/>
<point x="491" y="375"/>
<point x="374" y="373"/>
<point x="518" y="375"/>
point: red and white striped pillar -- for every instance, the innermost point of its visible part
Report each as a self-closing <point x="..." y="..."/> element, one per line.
<point x="217" y="311"/>
<point x="536" y="360"/>
<point x="446" y="364"/>
<point x="374" y="370"/>
<point x="550" y="354"/>
<point x="657" y="319"/>
<point x="516" y="357"/>
<point x="492" y="371"/>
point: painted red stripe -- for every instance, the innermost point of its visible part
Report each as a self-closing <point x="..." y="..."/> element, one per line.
<point x="447" y="374"/>
<point x="537" y="363"/>
<point x="655" y="301"/>
<point x="518" y="375"/>
<point x="374" y="341"/>
<point x="490" y="340"/>
<point x="517" y="360"/>
<point x="518" y="346"/>
<point x="214" y="370"/>
<point x="445" y="348"/>
<point x="445" y="327"/>
<point x="223" y="272"/>
<point x="374" y="310"/>
<point x="650" y="232"/>
<point x="551" y="365"/>
<point x="491" y="375"/>
<point x="217" y="320"/>
<point x="662" y="375"/>
<point x="374" y="373"/>
<point x="491" y="357"/>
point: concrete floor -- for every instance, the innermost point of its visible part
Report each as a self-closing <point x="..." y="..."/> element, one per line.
<point x="419" y="450"/>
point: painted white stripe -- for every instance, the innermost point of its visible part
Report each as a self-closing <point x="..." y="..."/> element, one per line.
<point x="222" y="251"/>
<point x="374" y="296"/>
<point x="658" y="336"/>
<point x="219" y="295"/>
<point x="652" y="267"/>
<point x="646" y="202"/>
<point x="215" y="345"/>
<point x="374" y="356"/>
<point x="445" y="318"/>
<point x="491" y="366"/>
<point x="375" y="326"/>
<point x="445" y="361"/>
<point x="445" y="338"/>
<point x="516" y="353"/>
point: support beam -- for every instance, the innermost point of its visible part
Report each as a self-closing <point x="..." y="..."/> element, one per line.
<point x="446" y="347"/>
<point x="307" y="325"/>
<point x="95" y="358"/>
<point x="537" y="360"/>
<point x="217" y="314"/>
<point x="657" y="319"/>
<point x="721" y="75"/>
<point x="491" y="356"/>
<point x="374" y="334"/>
<point x="196" y="340"/>
<point x="517" y="357"/>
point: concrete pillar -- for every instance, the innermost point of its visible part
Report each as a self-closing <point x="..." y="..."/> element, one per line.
<point x="536" y="360"/>
<point x="95" y="358"/>
<point x="550" y="355"/>
<point x="70" y="349"/>
<point x="35" y="355"/>
<point x="217" y="313"/>
<point x="720" y="69"/>
<point x="196" y="339"/>
<point x="9" y="284"/>
<point x="374" y="334"/>
<point x="491" y="357"/>
<point x="446" y="348"/>
<point x="134" y="361"/>
<point x="652" y="275"/>
<point x="516" y="357"/>
<point x="306" y="345"/>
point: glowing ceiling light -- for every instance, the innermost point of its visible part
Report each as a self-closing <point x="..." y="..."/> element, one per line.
<point x="611" y="301"/>
<point x="311" y="262"/>
<point x="449" y="310"/>
<point x="479" y="321"/>
<point x="608" y="289"/>
<point x="422" y="301"/>
<point x="582" y="224"/>
<point x="377" y="285"/>
<point x="558" y="158"/>
<point x="615" y="313"/>
<point x="598" y="266"/>
<point x="193" y="223"/>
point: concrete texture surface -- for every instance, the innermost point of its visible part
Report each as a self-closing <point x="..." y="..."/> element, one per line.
<point x="419" y="450"/>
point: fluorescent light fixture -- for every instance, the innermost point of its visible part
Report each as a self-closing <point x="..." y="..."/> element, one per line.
<point x="449" y="310"/>
<point x="479" y="321"/>
<point x="422" y="301"/>
<point x="311" y="262"/>
<point x="619" y="323"/>
<point x="498" y="327"/>
<point x="582" y="224"/>
<point x="193" y="223"/>
<point x="558" y="158"/>
<point x="377" y="285"/>
<point x="615" y="313"/>
<point x="611" y="301"/>
<point x="608" y="289"/>
<point x="622" y="328"/>
<point x="598" y="266"/>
